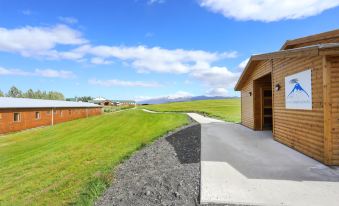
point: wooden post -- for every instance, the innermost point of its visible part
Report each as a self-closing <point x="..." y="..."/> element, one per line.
<point x="328" y="147"/>
<point x="273" y="92"/>
<point x="52" y="122"/>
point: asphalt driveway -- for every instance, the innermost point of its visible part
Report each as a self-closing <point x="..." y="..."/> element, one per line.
<point x="241" y="166"/>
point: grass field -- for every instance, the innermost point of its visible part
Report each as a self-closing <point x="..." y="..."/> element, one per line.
<point x="72" y="162"/>
<point x="225" y="109"/>
<point x="108" y="109"/>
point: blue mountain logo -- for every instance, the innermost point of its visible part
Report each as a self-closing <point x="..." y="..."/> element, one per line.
<point x="297" y="87"/>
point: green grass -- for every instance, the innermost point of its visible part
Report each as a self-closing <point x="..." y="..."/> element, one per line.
<point x="108" y="109"/>
<point x="72" y="163"/>
<point x="225" y="109"/>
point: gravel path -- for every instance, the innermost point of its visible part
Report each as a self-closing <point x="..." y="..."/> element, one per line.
<point x="166" y="172"/>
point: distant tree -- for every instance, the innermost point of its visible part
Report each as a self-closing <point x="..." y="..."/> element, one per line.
<point x="44" y="95"/>
<point x="84" y="98"/>
<point x="14" y="92"/>
<point x="55" y="95"/>
<point x="38" y="94"/>
<point x="1" y="94"/>
<point x="29" y="94"/>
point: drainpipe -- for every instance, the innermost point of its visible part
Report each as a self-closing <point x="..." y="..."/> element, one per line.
<point x="52" y="117"/>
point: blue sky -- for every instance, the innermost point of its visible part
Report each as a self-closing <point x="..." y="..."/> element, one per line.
<point x="139" y="49"/>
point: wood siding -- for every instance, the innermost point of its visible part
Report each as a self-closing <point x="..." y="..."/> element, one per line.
<point x="333" y="63"/>
<point x="247" y="114"/>
<point x="302" y="130"/>
<point x="28" y="120"/>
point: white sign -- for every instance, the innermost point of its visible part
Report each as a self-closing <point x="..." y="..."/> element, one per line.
<point x="298" y="90"/>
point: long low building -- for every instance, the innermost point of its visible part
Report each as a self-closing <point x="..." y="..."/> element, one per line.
<point x="20" y="113"/>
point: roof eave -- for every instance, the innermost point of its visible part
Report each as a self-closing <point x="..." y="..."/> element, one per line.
<point x="308" y="39"/>
<point x="305" y="51"/>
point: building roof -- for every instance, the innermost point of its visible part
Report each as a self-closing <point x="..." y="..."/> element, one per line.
<point x="9" y="102"/>
<point x="99" y="101"/>
<point x="312" y="50"/>
<point x="328" y="37"/>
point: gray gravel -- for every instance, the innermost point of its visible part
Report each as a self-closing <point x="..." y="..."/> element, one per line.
<point x="166" y="172"/>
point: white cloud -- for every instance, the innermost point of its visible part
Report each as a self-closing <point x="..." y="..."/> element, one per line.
<point x="216" y="77"/>
<point x="268" y="10"/>
<point x="44" y="42"/>
<point x="156" y="59"/>
<point x="155" y="1"/>
<point x="68" y="20"/>
<point x="243" y="64"/>
<point x="116" y="82"/>
<point x="27" y="12"/>
<point x="217" y="92"/>
<point x="38" y="41"/>
<point x="13" y="72"/>
<point x="149" y="35"/>
<point x="98" y="60"/>
<point x="49" y="73"/>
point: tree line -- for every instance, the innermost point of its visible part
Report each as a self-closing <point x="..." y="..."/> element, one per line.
<point x="80" y="99"/>
<point x="38" y="94"/>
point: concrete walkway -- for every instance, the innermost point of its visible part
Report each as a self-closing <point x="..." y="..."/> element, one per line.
<point x="243" y="167"/>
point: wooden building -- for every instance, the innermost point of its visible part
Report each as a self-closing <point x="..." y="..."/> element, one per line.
<point x="102" y="101"/>
<point x="295" y="92"/>
<point x="124" y="102"/>
<point x="20" y="113"/>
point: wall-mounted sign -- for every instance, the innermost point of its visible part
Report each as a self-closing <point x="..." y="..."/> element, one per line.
<point x="298" y="90"/>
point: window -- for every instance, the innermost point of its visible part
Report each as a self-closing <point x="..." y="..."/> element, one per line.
<point x="48" y="112"/>
<point x="70" y="112"/>
<point x="37" y="115"/>
<point x="60" y="113"/>
<point x="55" y="112"/>
<point x="16" y="117"/>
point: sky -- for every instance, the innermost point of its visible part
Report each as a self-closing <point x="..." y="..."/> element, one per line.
<point x="141" y="49"/>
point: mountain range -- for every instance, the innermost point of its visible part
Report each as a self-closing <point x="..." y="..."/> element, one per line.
<point x="161" y="100"/>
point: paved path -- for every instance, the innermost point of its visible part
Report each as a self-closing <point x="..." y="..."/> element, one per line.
<point x="241" y="166"/>
<point x="150" y="111"/>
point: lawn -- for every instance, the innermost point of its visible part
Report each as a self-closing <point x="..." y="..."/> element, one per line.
<point x="225" y="109"/>
<point x="72" y="162"/>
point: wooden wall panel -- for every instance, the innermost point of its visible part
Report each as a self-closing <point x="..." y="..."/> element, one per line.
<point x="247" y="115"/>
<point x="247" y="105"/>
<point x="334" y="73"/>
<point x="302" y="130"/>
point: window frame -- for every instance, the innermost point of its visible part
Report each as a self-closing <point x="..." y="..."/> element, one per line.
<point x="19" y="117"/>
<point x="37" y="115"/>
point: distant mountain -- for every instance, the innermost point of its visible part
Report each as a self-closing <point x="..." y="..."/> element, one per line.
<point x="162" y="100"/>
